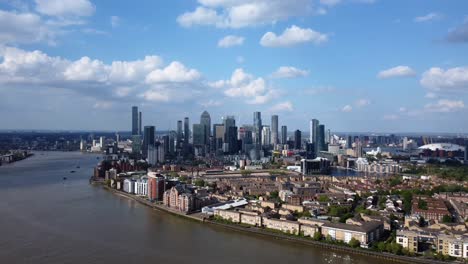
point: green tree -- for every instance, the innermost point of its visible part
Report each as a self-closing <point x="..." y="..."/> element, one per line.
<point x="323" y="199"/>
<point x="317" y="236"/>
<point x="381" y="246"/>
<point x="447" y="219"/>
<point x="354" y="243"/>
<point x="200" y="183"/>
<point x="422" y="204"/>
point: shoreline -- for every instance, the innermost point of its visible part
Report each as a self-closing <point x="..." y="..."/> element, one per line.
<point x="261" y="232"/>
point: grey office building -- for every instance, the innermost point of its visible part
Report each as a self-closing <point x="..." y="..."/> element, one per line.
<point x="186" y="131"/>
<point x="257" y="123"/>
<point x="134" y="120"/>
<point x="274" y="129"/>
<point x="284" y="135"/>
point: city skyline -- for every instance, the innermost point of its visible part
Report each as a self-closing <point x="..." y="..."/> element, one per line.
<point x="398" y="67"/>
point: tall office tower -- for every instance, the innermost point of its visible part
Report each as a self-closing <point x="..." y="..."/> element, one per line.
<point x="218" y="135"/>
<point x="186" y="131"/>
<point x="117" y="137"/>
<point x="199" y="135"/>
<point x="102" y="141"/>
<point x="140" y="120"/>
<point x="321" y="138"/>
<point x="349" y="142"/>
<point x="328" y="137"/>
<point x="247" y="142"/>
<point x="284" y="135"/>
<point x="405" y="143"/>
<point x="359" y="149"/>
<point x="257" y="123"/>
<point x="274" y="129"/>
<point x="172" y="141"/>
<point x="205" y="120"/>
<point x="297" y="139"/>
<point x="134" y="120"/>
<point x="314" y="123"/>
<point x="229" y="137"/>
<point x="266" y="136"/>
<point x="179" y="133"/>
<point x="166" y="144"/>
<point x="233" y="143"/>
<point x="148" y="139"/>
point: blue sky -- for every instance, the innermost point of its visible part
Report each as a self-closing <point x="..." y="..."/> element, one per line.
<point x="356" y="65"/>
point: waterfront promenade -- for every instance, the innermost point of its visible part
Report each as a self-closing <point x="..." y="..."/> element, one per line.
<point x="199" y="217"/>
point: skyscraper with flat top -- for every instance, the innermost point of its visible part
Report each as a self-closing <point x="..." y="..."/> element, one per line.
<point x="186" y="131"/>
<point x="139" y="124"/>
<point x="148" y="139"/>
<point x="257" y="122"/>
<point x="297" y="139"/>
<point x="274" y="129"/>
<point x="314" y="123"/>
<point x="134" y="120"/>
<point x="205" y="120"/>
<point x="284" y="135"/>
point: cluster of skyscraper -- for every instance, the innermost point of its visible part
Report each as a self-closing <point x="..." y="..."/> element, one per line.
<point x="254" y="141"/>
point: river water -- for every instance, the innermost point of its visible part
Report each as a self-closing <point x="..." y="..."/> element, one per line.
<point x="45" y="219"/>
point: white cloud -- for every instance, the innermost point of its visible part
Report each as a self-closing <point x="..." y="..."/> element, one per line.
<point x="114" y="21"/>
<point x="245" y="85"/>
<point x="330" y="2"/>
<point x="174" y="72"/>
<point x="289" y="72"/>
<point x="391" y="117"/>
<point x="96" y="79"/>
<point x="347" y="108"/>
<point x="403" y="109"/>
<point x="445" y="106"/>
<point x="103" y="105"/>
<point x="230" y="41"/>
<point x="243" y="13"/>
<point x="292" y="36"/>
<point x="399" y="71"/>
<point x="362" y="102"/>
<point x="24" y="28"/>
<point x="86" y="69"/>
<point x="211" y="103"/>
<point x="453" y="79"/>
<point x="431" y="95"/>
<point x="201" y="16"/>
<point x="459" y="34"/>
<point x="429" y="17"/>
<point x="283" y="107"/>
<point x="63" y="8"/>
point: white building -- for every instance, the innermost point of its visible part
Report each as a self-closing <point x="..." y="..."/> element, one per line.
<point x="129" y="185"/>
<point x="141" y="186"/>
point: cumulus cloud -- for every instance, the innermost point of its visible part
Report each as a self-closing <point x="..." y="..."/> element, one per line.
<point x="63" y="8"/>
<point x="115" y="21"/>
<point x="391" y="117"/>
<point x="293" y="35"/>
<point x="431" y="95"/>
<point x="445" y="106"/>
<point x="289" y="72"/>
<point x="347" y="108"/>
<point x="245" y="85"/>
<point x="211" y="103"/>
<point x="429" y="17"/>
<point x="399" y="71"/>
<point x="282" y="107"/>
<point x="459" y="34"/>
<point x="243" y="13"/>
<point x="94" y="78"/>
<point x="24" y="28"/>
<point x="230" y="41"/>
<point x="453" y="79"/>
<point x="174" y="72"/>
<point x="362" y="102"/>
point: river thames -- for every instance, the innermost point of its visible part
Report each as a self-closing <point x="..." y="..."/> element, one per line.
<point x="46" y="219"/>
